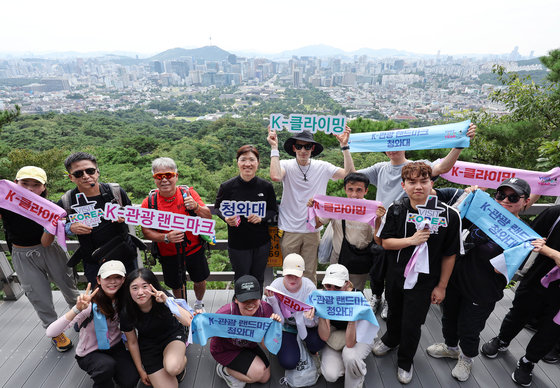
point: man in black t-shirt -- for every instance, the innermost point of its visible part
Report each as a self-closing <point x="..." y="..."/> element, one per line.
<point x="93" y="231"/>
<point x="408" y="224"/>
<point x="533" y="299"/>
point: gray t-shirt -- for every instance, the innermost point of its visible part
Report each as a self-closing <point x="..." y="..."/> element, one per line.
<point x="387" y="178"/>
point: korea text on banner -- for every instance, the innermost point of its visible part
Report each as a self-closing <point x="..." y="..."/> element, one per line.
<point x="158" y="219"/>
<point x="339" y="208"/>
<point x="506" y="230"/>
<point x="483" y="175"/>
<point x="424" y="138"/>
<point x="30" y="205"/>
<point x="286" y="306"/>
<point x="346" y="306"/>
<point x="252" y="329"/>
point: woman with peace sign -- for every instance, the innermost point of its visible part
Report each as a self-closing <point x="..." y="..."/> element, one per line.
<point x="158" y="350"/>
<point x="100" y="351"/>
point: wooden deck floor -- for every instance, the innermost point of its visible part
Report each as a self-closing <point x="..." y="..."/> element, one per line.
<point x="27" y="358"/>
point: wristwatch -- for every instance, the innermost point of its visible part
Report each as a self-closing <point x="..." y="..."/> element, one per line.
<point x="166" y="238"/>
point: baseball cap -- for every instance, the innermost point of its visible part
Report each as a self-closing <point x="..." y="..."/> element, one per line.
<point x="247" y="287"/>
<point x="111" y="267"/>
<point x="32" y="172"/>
<point x="336" y="274"/>
<point x="293" y="265"/>
<point x="520" y="186"/>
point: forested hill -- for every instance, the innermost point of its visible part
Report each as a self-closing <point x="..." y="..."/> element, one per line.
<point x="126" y="143"/>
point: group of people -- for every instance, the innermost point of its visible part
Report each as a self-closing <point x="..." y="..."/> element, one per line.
<point x="122" y="298"/>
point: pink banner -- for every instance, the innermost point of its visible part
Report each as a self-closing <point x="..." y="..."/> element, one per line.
<point x="288" y="305"/>
<point x="338" y="208"/>
<point x="550" y="277"/>
<point x="483" y="175"/>
<point x="19" y="200"/>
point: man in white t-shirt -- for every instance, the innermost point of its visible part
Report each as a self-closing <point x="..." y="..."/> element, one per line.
<point x="302" y="178"/>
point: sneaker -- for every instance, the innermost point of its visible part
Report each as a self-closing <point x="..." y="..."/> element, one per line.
<point x="62" y="343"/>
<point x="491" y="348"/>
<point x="181" y="376"/>
<point x="384" y="309"/>
<point x="552" y="357"/>
<point x="442" y="351"/>
<point x="380" y="349"/>
<point x="374" y="302"/>
<point x="523" y="374"/>
<point x="231" y="381"/>
<point x="462" y="370"/>
<point x="403" y="376"/>
<point x="199" y="307"/>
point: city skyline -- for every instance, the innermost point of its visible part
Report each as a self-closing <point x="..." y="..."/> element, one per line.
<point x="263" y="27"/>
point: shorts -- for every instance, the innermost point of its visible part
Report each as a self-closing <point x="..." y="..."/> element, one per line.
<point x="195" y="264"/>
<point x="243" y="361"/>
<point x="152" y="354"/>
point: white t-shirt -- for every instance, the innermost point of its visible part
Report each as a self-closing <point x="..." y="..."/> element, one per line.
<point x="307" y="287"/>
<point x="387" y="178"/>
<point x="293" y="207"/>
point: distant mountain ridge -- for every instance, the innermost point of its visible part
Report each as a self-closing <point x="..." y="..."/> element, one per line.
<point x="208" y="53"/>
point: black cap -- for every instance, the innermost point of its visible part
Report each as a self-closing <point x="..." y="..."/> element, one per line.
<point x="247" y="287"/>
<point x="303" y="136"/>
<point x="520" y="186"/>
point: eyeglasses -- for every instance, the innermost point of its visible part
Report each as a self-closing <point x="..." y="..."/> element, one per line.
<point x="80" y="173"/>
<point x="513" y="197"/>
<point x="167" y="175"/>
<point x="332" y="287"/>
<point x="307" y="146"/>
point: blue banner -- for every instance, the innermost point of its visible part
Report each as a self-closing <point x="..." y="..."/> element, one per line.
<point x="252" y="329"/>
<point x="101" y="328"/>
<point x="424" y="138"/>
<point x="505" y="229"/>
<point x="346" y="306"/>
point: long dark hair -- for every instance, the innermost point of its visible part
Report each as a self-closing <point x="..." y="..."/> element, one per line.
<point x="131" y="308"/>
<point x="106" y="305"/>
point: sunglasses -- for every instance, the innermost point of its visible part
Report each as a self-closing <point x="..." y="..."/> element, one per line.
<point x="80" y="173"/>
<point x="167" y="175"/>
<point x="307" y="146"/>
<point x="513" y="198"/>
<point x="332" y="287"/>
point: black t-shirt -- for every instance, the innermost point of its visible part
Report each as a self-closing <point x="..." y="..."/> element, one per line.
<point x="449" y="195"/>
<point x="21" y="230"/>
<point x="542" y="225"/>
<point x="473" y="274"/>
<point x="106" y="230"/>
<point x="400" y="222"/>
<point x="154" y="327"/>
<point x="248" y="235"/>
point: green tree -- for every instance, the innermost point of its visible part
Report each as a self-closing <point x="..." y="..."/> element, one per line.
<point x="8" y="116"/>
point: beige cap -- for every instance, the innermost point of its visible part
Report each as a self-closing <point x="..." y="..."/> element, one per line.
<point x="336" y="274"/>
<point x="111" y="267"/>
<point x="32" y="172"/>
<point x="293" y="265"/>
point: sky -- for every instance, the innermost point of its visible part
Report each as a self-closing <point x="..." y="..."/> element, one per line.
<point x="149" y="27"/>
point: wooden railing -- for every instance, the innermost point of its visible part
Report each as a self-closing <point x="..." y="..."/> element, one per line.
<point x="13" y="290"/>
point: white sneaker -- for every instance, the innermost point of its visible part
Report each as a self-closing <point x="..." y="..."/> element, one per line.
<point x="384" y="309"/>
<point x="374" y="302"/>
<point x="403" y="376"/>
<point x="380" y="349"/>
<point x="231" y="381"/>
<point x="441" y="350"/>
<point x="462" y="370"/>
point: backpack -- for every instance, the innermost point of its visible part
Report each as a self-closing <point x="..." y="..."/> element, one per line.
<point x="306" y="373"/>
<point x="152" y="204"/>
